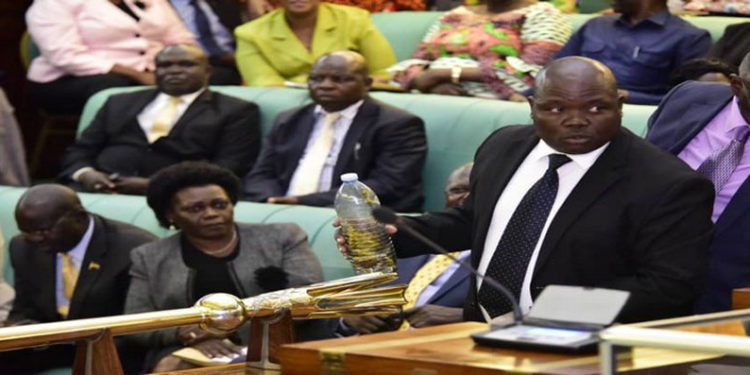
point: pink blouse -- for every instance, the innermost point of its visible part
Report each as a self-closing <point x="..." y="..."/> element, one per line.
<point x="87" y="37"/>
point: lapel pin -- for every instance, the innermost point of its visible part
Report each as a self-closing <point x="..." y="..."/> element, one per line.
<point x="94" y="266"/>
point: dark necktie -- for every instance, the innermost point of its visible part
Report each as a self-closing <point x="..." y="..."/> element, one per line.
<point x="205" y="35"/>
<point x="511" y="258"/>
<point x="719" y="166"/>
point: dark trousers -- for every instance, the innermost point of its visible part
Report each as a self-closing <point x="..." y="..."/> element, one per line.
<point x="68" y="94"/>
<point x="224" y="75"/>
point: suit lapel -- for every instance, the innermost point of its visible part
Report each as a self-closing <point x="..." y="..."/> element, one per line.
<point x="196" y="108"/>
<point x="738" y="205"/>
<point x="604" y="173"/>
<point x="286" y="41"/>
<point x="456" y="278"/>
<point x="324" y="38"/>
<point x="696" y="116"/>
<point x="366" y="115"/>
<point x="47" y="263"/>
<point x="134" y="107"/>
<point x="300" y="127"/>
<point x="90" y="267"/>
<point x="504" y="165"/>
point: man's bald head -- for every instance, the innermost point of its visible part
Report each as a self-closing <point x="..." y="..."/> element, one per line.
<point x="741" y="87"/>
<point x="575" y="69"/>
<point x="575" y="107"/>
<point x="356" y="62"/>
<point x="51" y="216"/>
<point x="52" y="199"/>
<point x="744" y="69"/>
<point x="338" y="80"/>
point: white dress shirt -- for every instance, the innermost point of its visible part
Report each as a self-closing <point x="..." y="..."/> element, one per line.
<point x="340" y="128"/>
<point x="76" y="254"/>
<point x="151" y="111"/>
<point x="528" y="173"/>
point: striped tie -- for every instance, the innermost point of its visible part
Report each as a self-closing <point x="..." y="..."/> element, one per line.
<point x="69" y="276"/>
<point x="422" y="279"/>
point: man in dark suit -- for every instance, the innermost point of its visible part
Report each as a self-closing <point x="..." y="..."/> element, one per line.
<point x="343" y="131"/>
<point x="213" y="22"/>
<point x="696" y="121"/>
<point x="577" y="200"/>
<point x="135" y="134"/>
<point x="733" y="44"/>
<point x="67" y="264"/>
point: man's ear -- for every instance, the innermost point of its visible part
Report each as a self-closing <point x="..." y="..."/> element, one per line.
<point x="530" y="98"/>
<point x="735" y="83"/>
<point x="368" y="82"/>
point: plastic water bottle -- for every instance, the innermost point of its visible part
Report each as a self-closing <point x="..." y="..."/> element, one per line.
<point x="370" y="245"/>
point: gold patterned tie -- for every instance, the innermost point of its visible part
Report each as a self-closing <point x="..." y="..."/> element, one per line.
<point x="69" y="276"/>
<point x="311" y="165"/>
<point x="164" y="121"/>
<point x="423" y="278"/>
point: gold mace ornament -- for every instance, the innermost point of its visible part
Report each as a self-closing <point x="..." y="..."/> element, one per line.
<point x="221" y="312"/>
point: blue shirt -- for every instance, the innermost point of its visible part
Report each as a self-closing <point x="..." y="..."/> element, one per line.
<point x="641" y="56"/>
<point x="77" y="253"/>
<point x="187" y="13"/>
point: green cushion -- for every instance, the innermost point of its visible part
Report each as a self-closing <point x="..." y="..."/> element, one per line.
<point x="404" y="30"/>
<point x="315" y="221"/>
<point x="593" y="6"/>
<point x="455" y="126"/>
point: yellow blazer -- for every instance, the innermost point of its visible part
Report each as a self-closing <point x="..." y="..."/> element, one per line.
<point x="268" y="52"/>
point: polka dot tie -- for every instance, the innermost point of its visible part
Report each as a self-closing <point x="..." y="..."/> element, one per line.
<point x="511" y="258"/>
<point x="423" y="278"/>
<point x="721" y="164"/>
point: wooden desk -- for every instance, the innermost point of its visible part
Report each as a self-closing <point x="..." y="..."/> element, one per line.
<point x="448" y="350"/>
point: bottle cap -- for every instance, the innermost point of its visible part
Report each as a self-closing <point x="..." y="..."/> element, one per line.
<point x="349" y="177"/>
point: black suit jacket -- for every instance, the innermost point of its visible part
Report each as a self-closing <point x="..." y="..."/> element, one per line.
<point x="733" y="45"/>
<point x="683" y="113"/>
<point x="99" y="291"/>
<point x="385" y="146"/>
<point x="216" y="128"/>
<point x="639" y="220"/>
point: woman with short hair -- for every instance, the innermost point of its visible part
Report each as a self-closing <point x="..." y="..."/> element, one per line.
<point x="210" y="254"/>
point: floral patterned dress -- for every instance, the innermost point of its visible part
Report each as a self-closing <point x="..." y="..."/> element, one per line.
<point x="720" y="6"/>
<point x="509" y="48"/>
<point x="374" y="6"/>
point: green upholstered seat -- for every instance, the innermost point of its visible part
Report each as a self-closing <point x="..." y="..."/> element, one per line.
<point x="455" y="126"/>
<point x="315" y="221"/>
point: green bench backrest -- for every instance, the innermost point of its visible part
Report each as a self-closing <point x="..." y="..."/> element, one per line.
<point x="315" y="221"/>
<point x="455" y="126"/>
<point x="404" y="30"/>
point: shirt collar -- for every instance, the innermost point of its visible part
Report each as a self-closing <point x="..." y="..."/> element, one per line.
<point x="585" y="161"/>
<point x="187" y="98"/>
<point x="79" y="250"/>
<point x="658" y="19"/>
<point x="347" y="113"/>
